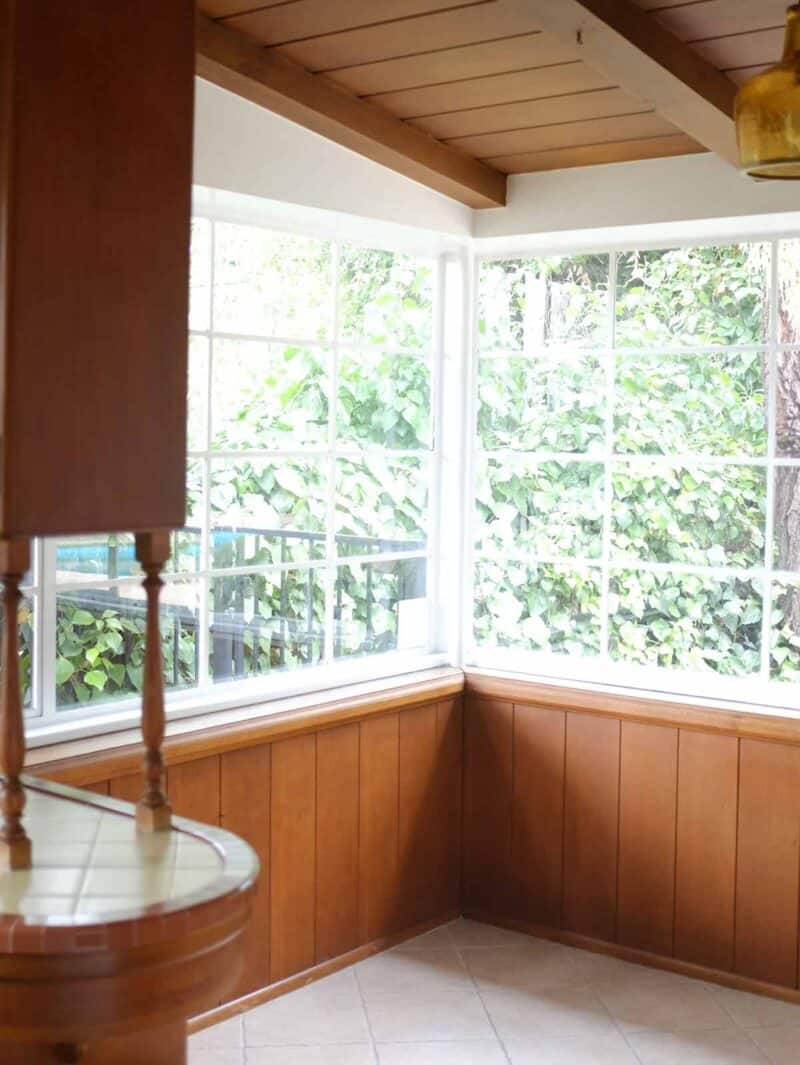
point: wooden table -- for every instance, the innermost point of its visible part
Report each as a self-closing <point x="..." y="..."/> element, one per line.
<point x="115" y="937"/>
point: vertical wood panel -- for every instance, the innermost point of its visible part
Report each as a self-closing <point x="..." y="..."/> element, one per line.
<point x="292" y="855"/>
<point x="648" y="792"/>
<point x="538" y="815"/>
<point x="244" y="808"/>
<point x="129" y="787"/>
<point x="705" y="875"/>
<point x="591" y="823"/>
<point x="449" y="747"/>
<point x="100" y="787"/>
<point x="417" y="814"/>
<point x="337" y="841"/>
<point x="71" y="84"/>
<point x="377" y="859"/>
<point x="767" y="864"/>
<point x="488" y="771"/>
<point x="194" y="789"/>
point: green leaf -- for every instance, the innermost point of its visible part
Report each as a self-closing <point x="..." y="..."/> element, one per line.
<point x="64" y="670"/>
<point x="96" y="679"/>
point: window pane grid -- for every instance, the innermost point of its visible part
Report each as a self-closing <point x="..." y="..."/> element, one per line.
<point x="275" y="583"/>
<point x="741" y="596"/>
<point x="330" y="559"/>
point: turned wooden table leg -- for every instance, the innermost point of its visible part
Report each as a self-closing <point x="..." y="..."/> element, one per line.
<point x="15" y="847"/>
<point x="153" y="812"/>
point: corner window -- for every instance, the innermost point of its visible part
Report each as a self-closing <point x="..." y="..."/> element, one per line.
<point x="308" y="544"/>
<point x="636" y="489"/>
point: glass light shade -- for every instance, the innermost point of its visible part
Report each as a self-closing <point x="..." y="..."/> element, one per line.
<point x="768" y="113"/>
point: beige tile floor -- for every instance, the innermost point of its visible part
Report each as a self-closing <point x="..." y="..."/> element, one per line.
<point x="471" y="994"/>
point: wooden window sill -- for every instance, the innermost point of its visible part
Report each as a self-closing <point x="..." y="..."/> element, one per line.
<point x="705" y="715"/>
<point x="84" y="761"/>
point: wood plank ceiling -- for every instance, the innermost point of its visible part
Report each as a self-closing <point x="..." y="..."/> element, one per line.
<point x="482" y="78"/>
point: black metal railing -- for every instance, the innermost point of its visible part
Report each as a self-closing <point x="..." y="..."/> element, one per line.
<point x="292" y="632"/>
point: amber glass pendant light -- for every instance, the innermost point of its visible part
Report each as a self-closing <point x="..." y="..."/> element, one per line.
<point x="768" y="113"/>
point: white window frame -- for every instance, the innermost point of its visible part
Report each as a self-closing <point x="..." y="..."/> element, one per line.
<point x="745" y="692"/>
<point x="46" y="724"/>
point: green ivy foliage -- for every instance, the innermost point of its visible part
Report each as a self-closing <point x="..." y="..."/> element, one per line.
<point x="541" y="390"/>
<point x="264" y="512"/>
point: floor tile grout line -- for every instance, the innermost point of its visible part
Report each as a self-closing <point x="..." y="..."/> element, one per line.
<point x="590" y="984"/>
<point x="489" y="1017"/>
<point x="463" y="951"/>
<point x="373" y="1044"/>
<point x="622" y="1032"/>
<point x="767" y="1060"/>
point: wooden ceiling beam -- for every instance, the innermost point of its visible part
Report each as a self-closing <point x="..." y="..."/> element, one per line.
<point x="227" y="58"/>
<point x="632" y="47"/>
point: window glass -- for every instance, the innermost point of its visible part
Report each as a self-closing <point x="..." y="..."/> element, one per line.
<point x="549" y="402"/>
<point x="310" y="437"/>
<point x="384" y="400"/>
<point x="385" y="299"/>
<point x="262" y="622"/>
<point x="100" y="641"/>
<point x="269" y="396"/>
<point x="637" y="504"/>
<point x="271" y="284"/>
<point x="527" y="304"/>
<point x="693" y="296"/>
<point x="380" y="607"/>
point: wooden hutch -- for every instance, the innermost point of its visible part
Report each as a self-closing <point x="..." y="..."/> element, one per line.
<point x="116" y="923"/>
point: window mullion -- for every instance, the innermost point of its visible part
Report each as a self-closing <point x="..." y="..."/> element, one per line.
<point x="330" y="518"/>
<point x="46" y="629"/>
<point x="434" y="580"/>
<point x="470" y="437"/>
<point x="608" y="464"/>
<point x="204" y="615"/>
<point x="772" y="370"/>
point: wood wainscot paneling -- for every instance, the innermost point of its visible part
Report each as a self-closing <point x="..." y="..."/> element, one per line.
<point x="378" y="899"/>
<point x="337" y="841"/>
<point x="245" y="810"/>
<point x="638" y="827"/>
<point x="488" y="790"/>
<point x="681" y="828"/>
<point x="355" y="817"/>
<point x="537" y="849"/>
<point x="705" y="879"/>
<point x="194" y="789"/>
<point x="647" y="802"/>
<point x="293" y="856"/>
<point x="767" y="865"/>
<point x="449" y="747"/>
<point x="591" y="825"/>
<point x="417" y="842"/>
<point x="128" y="787"/>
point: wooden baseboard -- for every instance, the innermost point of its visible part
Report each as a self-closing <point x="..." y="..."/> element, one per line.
<point x="639" y="957"/>
<point x="317" y="972"/>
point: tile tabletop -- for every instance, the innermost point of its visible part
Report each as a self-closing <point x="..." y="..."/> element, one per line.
<point x="93" y="869"/>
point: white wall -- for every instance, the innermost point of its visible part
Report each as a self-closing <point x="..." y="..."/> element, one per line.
<point x="660" y="192"/>
<point x="243" y="148"/>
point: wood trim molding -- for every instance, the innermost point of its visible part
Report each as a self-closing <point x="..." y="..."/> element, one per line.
<point x="81" y="762"/>
<point x="639" y="957"/>
<point x="677" y="713"/>
<point x="100" y="757"/>
<point x="644" y="58"/>
<point x="228" y="58"/>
